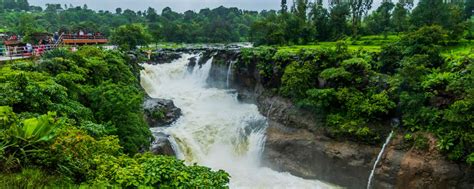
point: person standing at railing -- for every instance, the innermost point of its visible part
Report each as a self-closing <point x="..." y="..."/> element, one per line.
<point x="29" y="48"/>
<point x="56" y="37"/>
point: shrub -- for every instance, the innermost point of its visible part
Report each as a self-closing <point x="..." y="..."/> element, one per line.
<point x="73" y="152"/>
<point x="156" y="171"/>
<point x="297" y="79"/>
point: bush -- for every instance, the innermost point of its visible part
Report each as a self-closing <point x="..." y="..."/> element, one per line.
<point x="298" y="78"/>
<point x="73" y="152"/>
<point x="96" y="97"/>
<point x="33" y="178"/>
<point x="156" y="171"/>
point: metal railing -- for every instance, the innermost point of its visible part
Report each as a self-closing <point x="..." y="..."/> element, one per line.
<point x="26" y="51"/>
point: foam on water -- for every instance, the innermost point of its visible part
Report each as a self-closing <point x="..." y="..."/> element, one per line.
<point x="216" y="130"/>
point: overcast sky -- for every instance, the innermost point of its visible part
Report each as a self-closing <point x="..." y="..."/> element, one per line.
<point x="176" y="5"/>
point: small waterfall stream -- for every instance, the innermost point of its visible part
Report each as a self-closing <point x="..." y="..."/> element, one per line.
<point x="379" y="157"/>
<point x="216" y="130"/>
<point x="229" y="73"/>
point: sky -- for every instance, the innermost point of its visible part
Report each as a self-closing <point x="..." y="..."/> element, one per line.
<point x="176" y="5"/>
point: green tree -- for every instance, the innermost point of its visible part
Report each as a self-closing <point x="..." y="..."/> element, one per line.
<point x="380" y="20"/>
<point x="301" y="8"/>
<point x="319" y="17"/>
<point x="10" y="4"/>
<point x="268" y="31"/>
<point x="118" y="11"/>
<point x="151" y="15"/>
<point x="400" y="18"/>
<point x="358" y="9"/>
<point x="430" y="12"/>
<point x="284" y="7"/>
<point x="23" y="5"/>
<point x="469" y="8"/>
<point x="128" y="37"/>
<point x="338" y="20"/>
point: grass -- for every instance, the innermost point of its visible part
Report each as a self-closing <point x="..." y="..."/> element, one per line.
<point x="292" y="49"/>
<point x="321" y="45"/>
<point x="465" y="47"/>
<point x="372" y="43"/>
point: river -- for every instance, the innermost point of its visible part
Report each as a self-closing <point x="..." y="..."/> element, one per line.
<point x="216" y="130"/>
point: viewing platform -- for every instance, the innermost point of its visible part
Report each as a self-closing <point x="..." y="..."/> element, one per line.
<point x="73" y="39"/>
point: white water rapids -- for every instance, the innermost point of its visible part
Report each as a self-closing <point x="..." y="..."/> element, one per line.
<point x="216" y="130"/>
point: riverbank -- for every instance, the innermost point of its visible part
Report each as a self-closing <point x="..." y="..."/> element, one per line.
<point x="215" y="129"/>
<point x="299" y="142"/>
<point x="298" y="139"/>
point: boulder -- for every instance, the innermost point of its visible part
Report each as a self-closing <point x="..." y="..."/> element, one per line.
<point x="161" y="145"/>
<point x="160" y="112"/>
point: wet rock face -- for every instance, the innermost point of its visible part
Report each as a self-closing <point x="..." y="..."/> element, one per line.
<point x="218" y="74"/>
<point x="160" y="112"/>
<point x="161" y="145"/>
<point x="297" y="143"/>
<point x="162" y="57"/>
<point x="192" y="63"/>
<point x="309" y="153"/>
<point x="415" y="168"/>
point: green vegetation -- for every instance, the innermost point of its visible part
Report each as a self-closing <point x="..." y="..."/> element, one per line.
<point x="358" y="92"/>
<point x="128" y="37"/>
<point x="74" y="119"/>
<point x="217" y="25"/>
<point x="304" y="23"/>
<point x="307" y="22"/>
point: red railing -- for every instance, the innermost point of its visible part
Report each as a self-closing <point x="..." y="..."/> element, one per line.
<point x="75" y="36"/>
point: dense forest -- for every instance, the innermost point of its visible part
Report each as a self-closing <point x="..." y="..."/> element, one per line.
<point x="69" y="121"/>
<point x="304" y="22"/>
<point x="361" y="95"/>
<point x="217" y="25"/>
<point x="75" y="118"/>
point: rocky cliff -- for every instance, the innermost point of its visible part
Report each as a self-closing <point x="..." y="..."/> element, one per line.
<point x="297" y="143"/>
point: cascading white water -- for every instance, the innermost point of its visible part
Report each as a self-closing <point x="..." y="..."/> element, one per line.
<point x="216" y="130"/>
<point x="229" y="73"/>
<point x="371" y="177"/>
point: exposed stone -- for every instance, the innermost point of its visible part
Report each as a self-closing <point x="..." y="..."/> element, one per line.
<point x="162" y="57"/>
<point x="420" y="169"/>
<point x="297" y="143"/>
<point x="192" y="63"/>
<point x="161" y="145"/>
<point x="160" y="112"/>
<point x="220" y="66"/>
<point x="310" y="154"/>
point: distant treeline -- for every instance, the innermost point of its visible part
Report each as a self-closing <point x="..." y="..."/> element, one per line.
<point x="309" y="21"/>
<point x="216" y="25"/>
<point x="302" y="23"/>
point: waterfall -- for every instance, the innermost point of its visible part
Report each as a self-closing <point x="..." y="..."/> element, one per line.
<point x="371" y="177"/>
<point x="215" y="129"/>
<point x="229" y="73"/>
